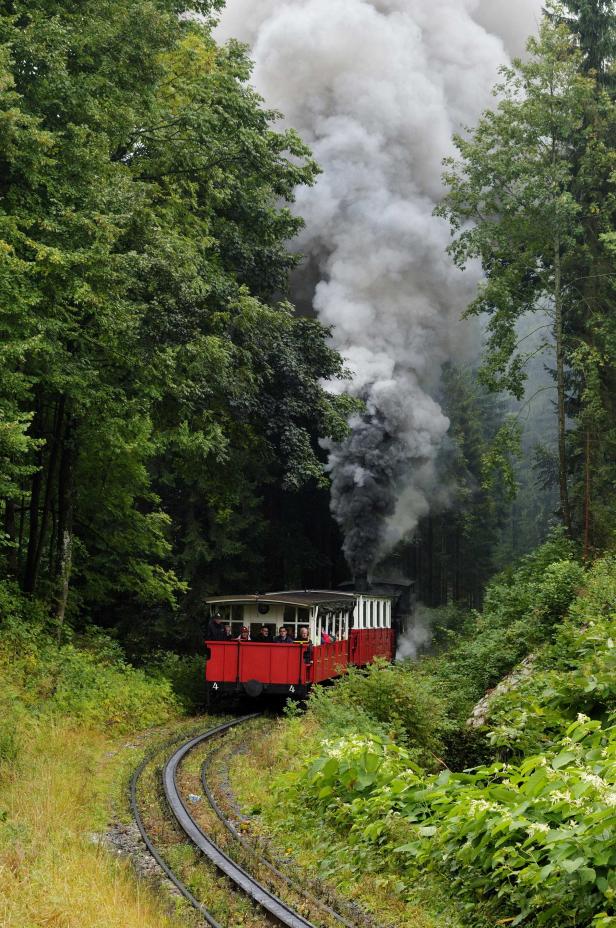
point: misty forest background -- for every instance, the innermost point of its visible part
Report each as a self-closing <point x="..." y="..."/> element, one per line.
<point x="164" y="414"/>
<point x="162" y="405"/>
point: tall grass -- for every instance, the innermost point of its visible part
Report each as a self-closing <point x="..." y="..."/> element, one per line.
<point x="51" y="871"/>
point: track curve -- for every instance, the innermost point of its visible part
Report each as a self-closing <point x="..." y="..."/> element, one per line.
<point x="272" y="904"/>
<point x="179" y="885"/>
<point x="263" y="860"/>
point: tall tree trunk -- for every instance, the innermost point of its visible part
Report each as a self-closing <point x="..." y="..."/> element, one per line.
<point x="587" y="495"/>
<point x="560" y="388"/>
<point x="22" y="526"/>
<point x="29" y="583"/>
<point x="54" y="450"/>
<point x="65" y="527"/>
<point x="10" y="527"/>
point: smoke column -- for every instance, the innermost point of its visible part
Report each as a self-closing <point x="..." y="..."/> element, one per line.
<point x="377" y="89"/>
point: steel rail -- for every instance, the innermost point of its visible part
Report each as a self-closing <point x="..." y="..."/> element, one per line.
<point x="314" y="900"/>
<point x="179" y="885"/>
<point x="271" y="903"/>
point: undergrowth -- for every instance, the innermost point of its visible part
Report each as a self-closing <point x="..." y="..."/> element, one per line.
<point x="65" y="713"/>
<point x="523" y="835"/>
<point x="86" y="680"/>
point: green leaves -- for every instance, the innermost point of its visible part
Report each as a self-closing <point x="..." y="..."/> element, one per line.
<point x="523" y="840"/>
<point x="531" y="196"/>
<point x="144" y="229"/>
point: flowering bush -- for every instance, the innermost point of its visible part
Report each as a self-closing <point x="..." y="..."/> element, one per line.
<point x="532" y="840"/>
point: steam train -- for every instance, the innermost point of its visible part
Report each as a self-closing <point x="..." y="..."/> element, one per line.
<point x="343" y="628"/>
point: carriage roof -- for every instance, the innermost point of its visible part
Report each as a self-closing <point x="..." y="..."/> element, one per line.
<point x="306" y="598"/>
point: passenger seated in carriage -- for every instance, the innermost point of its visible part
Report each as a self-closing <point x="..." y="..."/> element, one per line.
<point x="283" y="636"/>
<point x="215" y="629"/>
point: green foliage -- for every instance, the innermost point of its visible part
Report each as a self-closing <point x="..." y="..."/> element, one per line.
<point x="520" y="611"/>
<point x="575" y="673"/>
<point x="154" y="383"/>
<point x="87" y="680"/>
<point x="529" y="839"/>
<point x="532" y="197"/>
<point x="513" y="182"/>
<point x="185" y="674"/>
<point x="384" y="698"/>
<point x="520" y="840"/>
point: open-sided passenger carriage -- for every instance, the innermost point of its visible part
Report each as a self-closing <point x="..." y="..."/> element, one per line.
<point x="359" y="623"/>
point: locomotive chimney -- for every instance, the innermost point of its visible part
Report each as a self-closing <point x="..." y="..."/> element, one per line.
<point x="361" y="583"/>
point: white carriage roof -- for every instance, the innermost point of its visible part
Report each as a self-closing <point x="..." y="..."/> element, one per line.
<point x="292" y="598"/>
<point x="305" y="598"/>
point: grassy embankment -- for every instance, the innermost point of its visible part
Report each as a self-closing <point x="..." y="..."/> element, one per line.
<point x="367" y="788"/>
<point x="67" y="717"/>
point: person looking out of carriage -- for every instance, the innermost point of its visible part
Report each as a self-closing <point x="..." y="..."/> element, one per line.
<point x="283" y="636"/>
<point x="263" y="635"/>
<point x="215" y="629"/>
<point x="303" y="637"/>
<point x="244" y="634"/>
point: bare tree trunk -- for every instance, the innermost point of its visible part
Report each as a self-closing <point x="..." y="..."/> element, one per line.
<point x="35" y="499"/>
<point x="65" y="529"/>
<point x="587" y="496"/>
<point x="22" y="524"/>
<point x="560" y="387"/>
<point x="10" y="527"/>
<point x="54" y="450"/>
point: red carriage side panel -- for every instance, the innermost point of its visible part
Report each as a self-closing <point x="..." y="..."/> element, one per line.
<point x="238" y="662"/>
<point x="366" y="644"/>
<point x="273" y="663"/>
<point x="330" y="660"/>
<point x="222" y="665"/>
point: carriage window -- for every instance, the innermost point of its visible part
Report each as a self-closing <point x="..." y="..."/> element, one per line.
<point x="289" y="615"/>
<point x="371" y="613"/>
<point x="237" y="613"/>
<point x="303" y="616"/>
<point x="364" y="623"/>
<point x="377" y="618"/>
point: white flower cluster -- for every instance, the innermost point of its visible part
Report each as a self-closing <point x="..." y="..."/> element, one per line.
<point x="482" y="805"/>
<point x="537" y="828"/>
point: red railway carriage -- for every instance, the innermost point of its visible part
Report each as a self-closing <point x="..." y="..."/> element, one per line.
<point x="342" y="629"/>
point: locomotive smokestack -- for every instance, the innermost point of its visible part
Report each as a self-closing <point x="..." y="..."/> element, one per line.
<point x="361" y="583"/>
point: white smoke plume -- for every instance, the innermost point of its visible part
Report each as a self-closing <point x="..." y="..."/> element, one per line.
<point x="377" y="88"/>
<point x="416" y="637"/>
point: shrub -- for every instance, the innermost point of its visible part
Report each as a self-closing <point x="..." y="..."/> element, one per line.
<point x="529" y="840"/>
<point x="185" y="673"/>
<point x="92" y="683"/>
<point x="403" y="705"/>
<point x="522" y="610"/>
<point x="574" y="673"/>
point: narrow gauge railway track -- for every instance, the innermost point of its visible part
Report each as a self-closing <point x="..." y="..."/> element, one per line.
<point x="273" y="906"/>
<point x="247" y="846"/>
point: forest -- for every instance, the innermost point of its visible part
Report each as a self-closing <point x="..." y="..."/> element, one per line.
<point x="164" y="407"/>
<point x="168" y="408"/>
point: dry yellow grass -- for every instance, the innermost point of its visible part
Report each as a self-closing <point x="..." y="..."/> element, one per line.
<point x="52" y="874"/>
